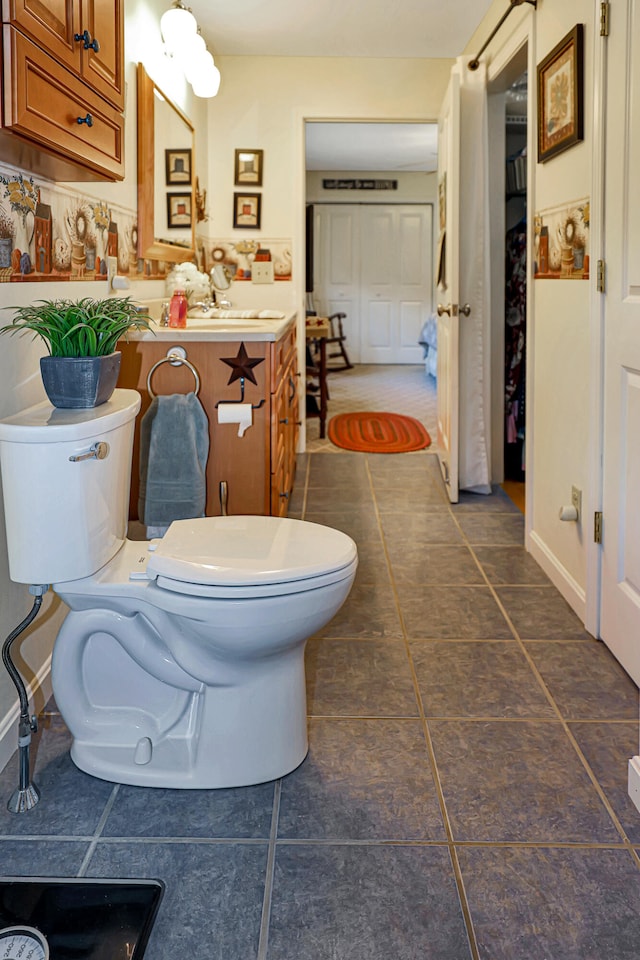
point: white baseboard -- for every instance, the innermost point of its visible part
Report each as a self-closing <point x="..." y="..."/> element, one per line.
<point x="570" y="589"/>
<point x="39" y="691"/>
<point x="634" y="781"/>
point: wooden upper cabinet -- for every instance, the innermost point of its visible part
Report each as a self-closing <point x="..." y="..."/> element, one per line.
<point x="104" y="70"/>
<point x="52" y="24"/>
<point x="77" y="45"/>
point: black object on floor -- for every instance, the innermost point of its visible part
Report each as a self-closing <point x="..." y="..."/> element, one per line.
<point x="80" y="919"/>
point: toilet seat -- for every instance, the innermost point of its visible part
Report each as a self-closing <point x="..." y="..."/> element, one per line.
<point x="237" y="556"/>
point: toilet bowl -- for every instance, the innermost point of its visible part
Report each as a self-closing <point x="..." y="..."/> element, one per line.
<point x="181" y="660"/>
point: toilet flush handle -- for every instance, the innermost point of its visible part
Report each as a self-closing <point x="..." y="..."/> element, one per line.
<point x="98" y="451"/>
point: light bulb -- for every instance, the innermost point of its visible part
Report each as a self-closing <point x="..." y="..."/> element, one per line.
<point x="178" y="27"/>
<point x="207" y="82"/>
<point x="190" y="52"/>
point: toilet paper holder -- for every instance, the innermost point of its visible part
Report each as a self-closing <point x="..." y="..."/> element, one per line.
<point x="254" y="406"/>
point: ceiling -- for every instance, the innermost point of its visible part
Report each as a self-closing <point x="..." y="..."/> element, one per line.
<point x="348" y="28"/>
<point x="394" y="147"/>
<point x="338" y="28"/>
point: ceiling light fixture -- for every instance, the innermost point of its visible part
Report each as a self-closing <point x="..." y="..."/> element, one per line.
<point x="184" y="42"/>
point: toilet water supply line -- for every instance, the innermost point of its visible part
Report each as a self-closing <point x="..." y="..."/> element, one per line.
<point x="26" y="796"/>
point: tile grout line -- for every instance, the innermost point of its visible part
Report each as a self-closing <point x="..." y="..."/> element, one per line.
<point x="265" y="920"/>
<point x="550" y="698"/>
<point x="98" y="832"/>
<point x="457" y="874"/>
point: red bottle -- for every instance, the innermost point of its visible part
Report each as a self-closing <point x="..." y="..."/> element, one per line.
<point x="178" y="308"/>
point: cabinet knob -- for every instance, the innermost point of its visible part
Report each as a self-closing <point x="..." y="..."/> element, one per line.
<point x="87" y="42"/>
<point x="88" y="120"/>
<point x="285" y="496"/>
<point x="286" y="420"/>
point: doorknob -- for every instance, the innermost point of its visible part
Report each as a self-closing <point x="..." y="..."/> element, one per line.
<point x="442" y="309"/>
<point x="466" y="310"/>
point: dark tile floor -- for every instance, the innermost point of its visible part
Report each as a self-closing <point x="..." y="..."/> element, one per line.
<point x="465" y="790"/>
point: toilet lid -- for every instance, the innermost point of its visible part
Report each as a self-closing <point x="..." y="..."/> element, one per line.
<point x="245" y="550"/>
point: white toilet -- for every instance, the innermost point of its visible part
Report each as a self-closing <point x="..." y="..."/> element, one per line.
<point x="181" y="661"/>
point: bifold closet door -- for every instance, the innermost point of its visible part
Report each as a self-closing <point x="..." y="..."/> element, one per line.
<point x="374" y="262"/>
<point x="396" y="281"/>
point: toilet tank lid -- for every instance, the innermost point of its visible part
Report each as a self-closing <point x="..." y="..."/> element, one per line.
<point x="44" y="423"/>
<point x="241" y="550"/>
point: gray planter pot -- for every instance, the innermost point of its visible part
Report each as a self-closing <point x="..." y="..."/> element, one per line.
<point x="80" y="382"/>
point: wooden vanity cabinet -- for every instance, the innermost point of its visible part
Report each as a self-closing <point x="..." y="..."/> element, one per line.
<point x="62" y="102"/>
<point x="258" y="467"/>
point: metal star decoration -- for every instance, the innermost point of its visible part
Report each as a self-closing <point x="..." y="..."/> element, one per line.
<point x="242" y="365"/>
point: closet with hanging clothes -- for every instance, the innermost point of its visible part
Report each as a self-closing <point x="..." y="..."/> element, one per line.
<point x="515" y="292"/>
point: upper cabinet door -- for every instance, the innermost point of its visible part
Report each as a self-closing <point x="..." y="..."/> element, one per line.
<point x="70" y="31"/>
<point x="53" y="25"/>
<point x="103" y="69"/>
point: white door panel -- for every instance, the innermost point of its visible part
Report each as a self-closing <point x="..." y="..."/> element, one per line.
<point x="375" y="263"/>
<point x="336" y="267"/>
<point x="620" y="606"/>
<point x="448" y="322"/>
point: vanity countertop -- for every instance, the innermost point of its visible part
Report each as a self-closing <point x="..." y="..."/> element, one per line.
<point x="224" y="325"/>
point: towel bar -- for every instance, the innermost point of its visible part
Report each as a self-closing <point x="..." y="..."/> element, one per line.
<point x="173" y="358"/>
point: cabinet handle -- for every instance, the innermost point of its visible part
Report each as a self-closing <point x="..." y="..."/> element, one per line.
<point x="286" y="420"/>
<point x="292" y="384"/>
<point x="88" y="120"/>
<point x="85" y="38"/>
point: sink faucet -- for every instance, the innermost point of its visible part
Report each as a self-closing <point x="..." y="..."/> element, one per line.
<point x="207" y="304"/>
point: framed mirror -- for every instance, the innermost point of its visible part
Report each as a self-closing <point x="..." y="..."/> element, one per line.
<point x="166" y="181"/>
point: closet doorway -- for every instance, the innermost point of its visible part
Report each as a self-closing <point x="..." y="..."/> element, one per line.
<point x="509" y="132"/>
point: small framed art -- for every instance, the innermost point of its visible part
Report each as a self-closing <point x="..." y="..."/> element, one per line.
<point x="247" y="210"/>
<point x="248" y="167"/>
<point x="560" y="96"/>
<point x="179" y="210"/>
<point x="178" y="166"/>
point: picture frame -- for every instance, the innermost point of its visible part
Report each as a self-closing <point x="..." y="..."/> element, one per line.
<point x="560" y="78"/>
<point x="247" y="210"/>
<point x="248" y="167"/>
<point x="179" y="211"/>
<point x="177" y="167"/>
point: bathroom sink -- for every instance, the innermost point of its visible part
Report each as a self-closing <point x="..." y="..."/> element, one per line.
<point x="214" y="323"/>
<point x="219" y="314"/>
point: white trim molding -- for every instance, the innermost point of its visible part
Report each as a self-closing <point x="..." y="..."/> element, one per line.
<point x="39" y="689"/>
<point x="570" y="589"/>
<point x="634" y="781"/>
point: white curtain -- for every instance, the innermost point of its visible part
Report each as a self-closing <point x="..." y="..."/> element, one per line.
<point x="475" y="402"/>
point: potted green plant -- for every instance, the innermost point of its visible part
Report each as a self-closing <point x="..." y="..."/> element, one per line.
<point x="81" y="336"/>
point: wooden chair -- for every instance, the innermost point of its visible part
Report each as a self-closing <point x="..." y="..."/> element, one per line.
<point x="337" y="340"/>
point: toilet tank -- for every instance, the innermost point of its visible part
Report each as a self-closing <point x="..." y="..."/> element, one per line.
<point x="65" y="508"/>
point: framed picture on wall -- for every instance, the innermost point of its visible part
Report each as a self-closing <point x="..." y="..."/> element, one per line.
<point x="248" y="167"/>
<point x="179" y="210"/>
<point x="178" y="166"/>
<point x="247" y="210"/>
<point x="560" y="96"/>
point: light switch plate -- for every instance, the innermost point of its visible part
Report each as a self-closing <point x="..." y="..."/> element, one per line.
<point x="262" y="271"/>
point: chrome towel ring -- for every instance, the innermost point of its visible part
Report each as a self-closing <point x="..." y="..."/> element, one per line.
<point x="176" y="360"/>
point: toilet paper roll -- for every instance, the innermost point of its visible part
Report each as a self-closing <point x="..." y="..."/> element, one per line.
<point x="240" y="413"/>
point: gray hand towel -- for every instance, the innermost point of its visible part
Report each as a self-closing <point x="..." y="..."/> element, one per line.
<point x="174" y="446"/>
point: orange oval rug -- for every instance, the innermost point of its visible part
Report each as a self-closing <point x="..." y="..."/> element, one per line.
<point x="373" y="432"/>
